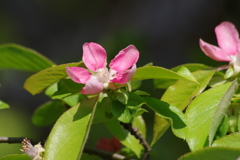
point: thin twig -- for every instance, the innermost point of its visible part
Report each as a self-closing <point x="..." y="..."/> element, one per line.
<point x="137" y="135"/>
<point x="11" y="140"/>
<point x="103" y="154"/>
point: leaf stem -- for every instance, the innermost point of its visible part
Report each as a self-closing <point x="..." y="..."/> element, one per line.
<point x="137" y="135"/>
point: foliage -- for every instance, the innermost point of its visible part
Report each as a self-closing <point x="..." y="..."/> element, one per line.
<point x="200" y="105"/>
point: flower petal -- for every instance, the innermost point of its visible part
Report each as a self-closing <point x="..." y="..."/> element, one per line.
<point x="214" y="52"/>
<point x="78" y="74"/>
<point x="227" y="37"/>
<point x="124" y="77"/>
<point x="94" y="56"/>
<point x="125" y="59"/>
<point x="93" y="86"/>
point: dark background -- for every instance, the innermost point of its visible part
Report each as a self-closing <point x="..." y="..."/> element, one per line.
<point x="166" y="32"/>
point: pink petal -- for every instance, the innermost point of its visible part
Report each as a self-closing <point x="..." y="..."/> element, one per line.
<point x="125" y="59"/>
<point x="94" y="56"/>
<point x="227" y="37"/>
<point x="93" y="86"/>
<point x="124" y="77"/>
<point x="78" y="74"/>
<point x="214" y="52"/>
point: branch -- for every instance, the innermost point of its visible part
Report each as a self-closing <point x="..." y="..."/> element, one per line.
<point x="137" y="135"/>
<point x="91" y="151"/>
<point x="11" y="140"/>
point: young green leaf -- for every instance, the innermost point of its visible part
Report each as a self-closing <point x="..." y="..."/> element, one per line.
<point x="141" y="93"/>
<point x="221" y="110"/>
<point x="172" y="114"/>
<point x="124" y="137"/>
<point x="14" y="56"/>
<point x="183" y="71"/>
<point x="222" y="129"/>
<point x="200" y="114"/>
<point x="179" y="95"/>
<point x="232" y="140"/>
<point x="41" y="80"/>
<point x="160" y="127"/>
<point x="74" y="99"/>
<point x="48" y="113"/>
<point x="66" y="87"/>
<point x="121" y="112"/>
<point x="70" y="132"/>
<point x="16" y="157"/>
<point x="154" y="72"/>
<point x="135" y="84"/>
<point x="213" y="153"/>
<point x="51" y="89"/>
<point x="182" y="92"/>
<point x="126" y="113"/>
<point x="3" y="105"/>
<point x="192" y="67"/>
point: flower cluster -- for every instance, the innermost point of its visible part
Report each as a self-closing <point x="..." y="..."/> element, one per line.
<point x="122" y="68"/>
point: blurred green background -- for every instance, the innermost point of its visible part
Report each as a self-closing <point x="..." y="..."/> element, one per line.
<point x="166" y="32"/>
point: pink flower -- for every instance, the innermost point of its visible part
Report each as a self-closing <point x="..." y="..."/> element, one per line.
<point x="111" y="145"/>
<point x="229" y="45"/>
<point x="95" y="59"/>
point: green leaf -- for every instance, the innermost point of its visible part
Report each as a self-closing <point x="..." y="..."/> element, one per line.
<point x="139" y="123"/>
<point x="135" y="84"/>
<point x="67" y="87"/>
<point x="14" y="56"/>
<point x="126" y="113"/>
<point x="122" y="96"/>
<point x="140" y="111"/>
<point x="233" y="124"/>
<point x="232" y="140"/>
<point x="124" y="137"/>
<point x="106" y="104"/>
<point x="48" y="113"/>
<point x="16" y="157"/>
<point x="74" y="99"/>
<point x="141" y="93"/>
<point x="121" y="112"/>
<point x="200" y="114"/>
<point x="183" y="71"/>
<point x="51" y="89"/>
<point x="70" y="132"/>
<point x="154" y="72"/>
<point x="3" y="105"/>
<point x="179" y="95"/>
<point x="217" y="80"/>
<point x="41" y="80"/>
<point x="160" y="127"/>
<point x="222" y="129"/>
<point x="165" y="83"/>
<point x="221" y="110"/>
<point x="192" y="67"/>
<point x="213" y="153"/>
<point x="101" y="115"/>
<point x="172" y="114"/>
<point x="184" y="91"/>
